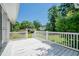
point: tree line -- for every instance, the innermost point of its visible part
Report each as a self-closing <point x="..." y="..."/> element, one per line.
<point x="63" y="18"/>
<point x="25" y="24"/>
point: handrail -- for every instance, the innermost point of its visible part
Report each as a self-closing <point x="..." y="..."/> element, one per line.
<point x="67" y="39"/>
<point x="63" y="32"/>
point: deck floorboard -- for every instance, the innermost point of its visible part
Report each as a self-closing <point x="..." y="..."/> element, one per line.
<point x="34" y="47"/>
<point x="62" y="51"/>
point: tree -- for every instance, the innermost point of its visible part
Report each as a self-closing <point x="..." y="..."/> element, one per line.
<point x="73" y="23"/>
<point x="64" y="8"/>
<point x="26" y="24"/>
<point x="23" y="25"/>
<point x="52" y="14"/>
<point x="48" y="27"/>
<point x="36" y="24"/>
<point x="60" y="24"/>
<point x="68" y="23"/>
<point x="63" y="18"/>
<point x="16" y="27"/>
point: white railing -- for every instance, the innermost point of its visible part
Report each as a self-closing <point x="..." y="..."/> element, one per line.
<point x="67" y="39"/>
<point x="18" y="35"/>
<point x="40" y="35"/>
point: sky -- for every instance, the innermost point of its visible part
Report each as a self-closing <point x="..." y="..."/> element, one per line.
<point x="34" y="11"/>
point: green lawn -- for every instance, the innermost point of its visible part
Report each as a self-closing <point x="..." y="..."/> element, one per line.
<point x="14" y="36"/>
<point x="55" y="38"/>
<point x="60" y="40"/>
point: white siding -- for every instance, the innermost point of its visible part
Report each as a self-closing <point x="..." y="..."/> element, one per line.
<point x="5" y="27"/>
<point x="0" y="28"/>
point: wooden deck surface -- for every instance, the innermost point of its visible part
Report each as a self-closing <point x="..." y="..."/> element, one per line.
<point x="34" y="47"/>
<point x="57" y="50"/>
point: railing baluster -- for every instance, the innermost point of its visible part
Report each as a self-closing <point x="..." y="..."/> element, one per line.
<point x="74" y="40"/>
<point x="46" y="35"/>
<point x="77" y="41"/>
<point x="71" y="40"/>
<point x="64" y="40"/>
<point x="61" y="38"/>
<point x="68" y="39"/>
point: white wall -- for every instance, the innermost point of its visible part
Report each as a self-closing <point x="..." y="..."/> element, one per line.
<point x="5" y="27"/>
<point x="0" y="28"/>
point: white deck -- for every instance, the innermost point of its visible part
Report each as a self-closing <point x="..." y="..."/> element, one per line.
<point x="33" y="47"/>
<point x="25" y="47"/>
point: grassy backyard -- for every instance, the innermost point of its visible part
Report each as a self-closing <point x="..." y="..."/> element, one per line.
<point x="63" y="40"/>
<point x="17" y="36"/>
<point x="57" y="38"/>
<point x="54" y="38"/>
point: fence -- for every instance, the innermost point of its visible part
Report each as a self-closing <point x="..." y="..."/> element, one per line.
<point x="18" y="35"/>
<point x="70" y="40"/>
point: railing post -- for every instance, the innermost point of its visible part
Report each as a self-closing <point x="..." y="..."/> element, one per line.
<point x="26" y="33"/>
<point x="34" y="34"/>
<point x="71" y="40"/>
<point x="68" y="39"/>
<point x="46" y="35"/>
<point x="74" y="41"/>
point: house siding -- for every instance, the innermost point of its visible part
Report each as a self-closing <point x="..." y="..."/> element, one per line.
<point x="0" y="28"/>
<point x="4" y="29"/>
